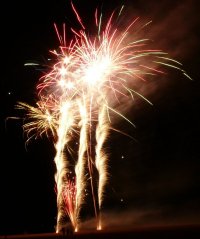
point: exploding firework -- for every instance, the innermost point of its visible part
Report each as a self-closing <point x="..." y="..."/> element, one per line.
<point x="90" y="77"/>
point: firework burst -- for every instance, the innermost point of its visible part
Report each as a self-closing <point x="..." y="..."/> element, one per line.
<point x="91" y="75"/>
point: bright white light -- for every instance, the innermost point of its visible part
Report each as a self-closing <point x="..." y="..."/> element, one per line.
<point x="63" y="71"/>
<point x="66" y="60"/>
<point x="66" y="84"/>
<point x="98" y="71"/>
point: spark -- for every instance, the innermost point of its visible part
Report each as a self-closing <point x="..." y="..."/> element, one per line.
<point x="40" y="120"/>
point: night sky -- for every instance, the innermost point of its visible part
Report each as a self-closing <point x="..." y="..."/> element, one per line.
<point x="155" y="173"/>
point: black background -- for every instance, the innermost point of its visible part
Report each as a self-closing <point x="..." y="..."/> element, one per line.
<point x="154" y="178"/>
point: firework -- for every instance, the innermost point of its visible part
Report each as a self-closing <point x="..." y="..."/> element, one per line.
<point x="82" y="155"/>
<point x="69" y="198"/>
<point x="89" y="78"/>
<point x="101" y="158"/>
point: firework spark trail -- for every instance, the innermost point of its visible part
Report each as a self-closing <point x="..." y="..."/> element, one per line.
<point x="69" y="197"/>
<point x="65" y="124"/>
<point x="90" y="159"/>
<point x="101" y="158"/>
<point x="81" y="162"/>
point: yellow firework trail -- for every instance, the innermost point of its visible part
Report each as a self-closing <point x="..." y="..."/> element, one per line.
<point x="38" y="121"/>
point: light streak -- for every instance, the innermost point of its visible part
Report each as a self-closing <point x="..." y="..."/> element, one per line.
<point x="65" y="123"/>
<point x="101" y="159"/>
<point x="81" y="162"/>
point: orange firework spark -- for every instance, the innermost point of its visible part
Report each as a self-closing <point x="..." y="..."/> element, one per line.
<point x="90" y="76"/>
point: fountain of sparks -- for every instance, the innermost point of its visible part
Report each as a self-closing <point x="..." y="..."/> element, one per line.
<point x="76" y="97"/>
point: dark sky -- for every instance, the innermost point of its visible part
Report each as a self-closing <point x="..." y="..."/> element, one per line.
<point x="154" y="178"/>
